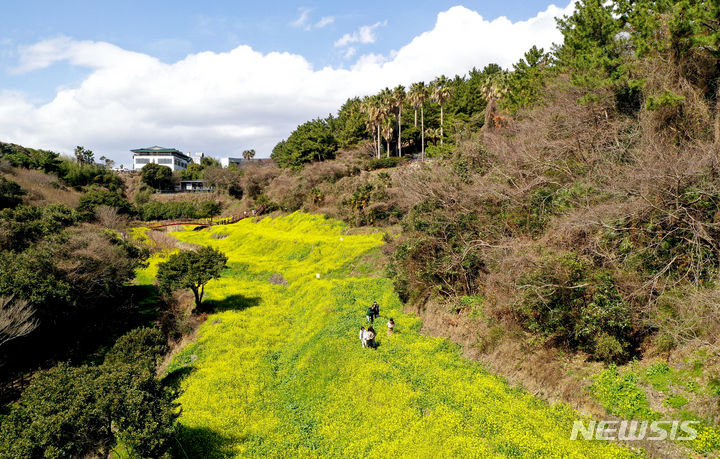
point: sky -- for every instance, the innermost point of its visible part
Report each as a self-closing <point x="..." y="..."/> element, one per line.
<point x="225" y="76"/>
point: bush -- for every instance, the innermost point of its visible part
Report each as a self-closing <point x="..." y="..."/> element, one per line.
<point x="384" y="163"/>
<point x="10" y="193"/>
<point x="566" y="301"/>
<point x="79" y="175"/>
<point x="95" y="197"/>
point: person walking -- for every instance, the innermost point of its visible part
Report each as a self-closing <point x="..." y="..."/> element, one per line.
<point x="363" y="340"/>
<point x="370" y="337"/>
<point x="370" y="315"/>
<point x="391" y="326"/>
<point x="376" y="310"/>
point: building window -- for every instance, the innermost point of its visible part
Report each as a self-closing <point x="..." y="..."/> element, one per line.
<point x="141" y="160"/>
<point x="164" y="161"/>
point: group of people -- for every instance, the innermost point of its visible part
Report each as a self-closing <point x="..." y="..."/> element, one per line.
<point x="367" y="336"/>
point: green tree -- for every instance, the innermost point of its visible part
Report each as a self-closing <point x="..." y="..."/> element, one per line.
<point x="248" y="154"/>
<point x="398" y="98"/>
<point x="156" y="176"/>
<point x="83" y="155"/>
<point x="191" y="270"/>
<point x="311" y="141"/>
<point x="417" y="96"/>
<point x="349" y="125"/>
<point x="441" y="93"/>
<point x="84" y="411"/>
<point x="194" y="171"/>
<point x="10" y="193"/>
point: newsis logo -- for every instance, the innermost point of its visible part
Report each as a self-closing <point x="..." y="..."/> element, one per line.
<point x="634" y="430"/>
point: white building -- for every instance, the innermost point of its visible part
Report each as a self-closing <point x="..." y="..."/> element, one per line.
<point x="240" y="162"/>
<point x="170" y="157"/>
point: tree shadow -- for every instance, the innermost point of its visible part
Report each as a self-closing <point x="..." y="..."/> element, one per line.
<point x="202" y="442"/>
<point x="172" y="379"/>
<point x="230" y="303"/>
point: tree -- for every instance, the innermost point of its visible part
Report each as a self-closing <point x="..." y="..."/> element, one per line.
<point x="417" y="96"/>
<point x="248" y="154"/>
<point x="311" y="141"/>
<point x="16" y="319"/>
<point x="398" y="96"/>
<point x="387" y="132"/>
<point x="493" y="89"/>
<point x="109" y="163"/>
<point x="156" y="176"/>
<point x="83" y="155"/>
<point x="441" y="93"/>
<point x="191" y="270"/>
<point x="85" y="411"/>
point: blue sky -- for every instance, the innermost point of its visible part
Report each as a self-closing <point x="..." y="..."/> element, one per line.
<point x="51" y="53"/>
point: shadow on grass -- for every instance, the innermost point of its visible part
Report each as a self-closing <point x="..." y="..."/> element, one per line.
<point x="201" y="442"/>
<point x="230" y="303"/>
<point x="173" y="378"/>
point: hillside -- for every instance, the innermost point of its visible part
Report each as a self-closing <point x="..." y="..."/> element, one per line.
<point x="278" y="368"/>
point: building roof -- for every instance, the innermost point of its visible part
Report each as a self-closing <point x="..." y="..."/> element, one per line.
<point x="160" y="150"/>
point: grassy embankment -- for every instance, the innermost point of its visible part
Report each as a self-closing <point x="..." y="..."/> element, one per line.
<point x="279" y="369"/>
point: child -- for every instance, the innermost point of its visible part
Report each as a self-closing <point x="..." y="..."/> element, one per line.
<point x="391" y="326"/>
<point x="370" y="315"/>
<point x="363" y="341"/>
<point x="370" y="337"/>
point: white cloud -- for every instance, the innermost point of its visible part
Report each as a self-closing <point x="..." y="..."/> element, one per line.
<point x="302" y="20"/>
<point x="324" y="21"/>
<point x="223" y="103"/>
<point x="365" y="34"/>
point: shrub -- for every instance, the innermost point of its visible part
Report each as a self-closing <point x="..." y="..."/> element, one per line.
<point x="95" y="197"/>
<point x="10" y="193"/>
<point x="384" y="163"/>
<point x="566" y="301"/>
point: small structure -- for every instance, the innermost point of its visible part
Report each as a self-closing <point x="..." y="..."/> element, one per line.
<point x="170" y="157"/>
<point x="193" y="185"/>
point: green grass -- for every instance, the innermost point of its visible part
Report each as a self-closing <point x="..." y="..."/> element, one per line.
<point x="278" y="371"/>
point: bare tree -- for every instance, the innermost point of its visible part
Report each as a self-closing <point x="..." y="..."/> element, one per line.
<point x="16" y="319"/>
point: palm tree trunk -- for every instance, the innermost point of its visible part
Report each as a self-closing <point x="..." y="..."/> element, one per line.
<point x="441" y="124"/>
<point x="388" y="146"/>
<point x="399" y="132"/>
<point x="379" y="141"/>
<point x="422" y="133"/>
<point x="415" y="116"/>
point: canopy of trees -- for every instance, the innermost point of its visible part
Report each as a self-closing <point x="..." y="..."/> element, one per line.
<point x="191" y="270"/>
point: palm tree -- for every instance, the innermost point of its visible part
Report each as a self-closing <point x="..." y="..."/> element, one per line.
<point x="387" y="132"/>
<point x="494" y="88"/>
<point x="441" y="93"/>
<point x="371" y="108"/>
<point x="398" y="95"/>
<point x="386" y="110"/>
<point x="433" y="135"/>
<point x="418" y="94"/>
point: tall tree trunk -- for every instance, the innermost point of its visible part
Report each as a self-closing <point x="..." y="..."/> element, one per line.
<point x="399" y="131"/>
<point x="441" y="124"/>
<point x="379" y="141"/>
<point x="415" y="116"/>
<point x="198" y="298"/>
<point x="388" y="146"/>
<point x="489" y="112"/>
<point x="422" y="133"/>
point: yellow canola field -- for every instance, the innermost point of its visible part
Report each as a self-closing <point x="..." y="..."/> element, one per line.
<point x="278" y="370"/>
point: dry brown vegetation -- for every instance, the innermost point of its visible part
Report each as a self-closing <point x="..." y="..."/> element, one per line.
<point x="41" y="188"/>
